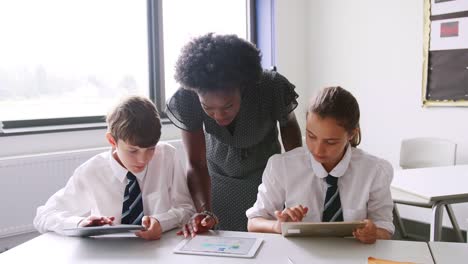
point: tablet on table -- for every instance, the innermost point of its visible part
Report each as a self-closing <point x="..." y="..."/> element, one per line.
<point x="101" y="230"/>
<point x="240" y="247"/>
<point x="320" y="229"/>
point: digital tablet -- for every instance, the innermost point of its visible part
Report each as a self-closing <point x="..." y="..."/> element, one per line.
<point x="239" y="247"/>
<point x="320" y="229"/>
<point x="101" y="230"/>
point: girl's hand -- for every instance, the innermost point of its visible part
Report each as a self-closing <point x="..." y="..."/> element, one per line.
<point x="291" y="214"/>
<point x="93" y="220"/>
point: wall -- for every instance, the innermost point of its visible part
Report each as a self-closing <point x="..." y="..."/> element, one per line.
<point x="374" y="49"/>
<point x="292" y="47"/>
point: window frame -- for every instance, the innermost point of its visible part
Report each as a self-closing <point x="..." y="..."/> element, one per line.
<point x="256" y="9"/>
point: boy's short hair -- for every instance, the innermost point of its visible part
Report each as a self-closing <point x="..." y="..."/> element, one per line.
<point x="136" y="121"/>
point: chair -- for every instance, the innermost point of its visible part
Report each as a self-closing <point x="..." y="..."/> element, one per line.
<point x="420" y="153"/>
<point x="180" y="151"/>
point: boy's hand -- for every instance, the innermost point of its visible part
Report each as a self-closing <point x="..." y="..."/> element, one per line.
<point x="97" y="221"/>
<point x="291" y="214"/>
<point x="198" y="223"/>
<point x="367" y="234"/>
<point x="153" y="228"/>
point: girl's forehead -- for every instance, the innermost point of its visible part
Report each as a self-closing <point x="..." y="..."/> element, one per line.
<point x="324" y="126"/>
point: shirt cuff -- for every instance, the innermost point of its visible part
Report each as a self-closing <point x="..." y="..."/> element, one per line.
<point x="167" y="221"/>
<point x="385" y="225"/>
<point x="255" y="212"/>
<point x="72" y="221"/>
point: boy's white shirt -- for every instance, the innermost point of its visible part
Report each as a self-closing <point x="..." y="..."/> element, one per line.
<point x="97" y="188"/>
<point x="296" y="178"/>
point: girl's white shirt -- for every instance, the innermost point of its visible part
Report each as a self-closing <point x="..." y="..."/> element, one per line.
<point x="296" y="178"/>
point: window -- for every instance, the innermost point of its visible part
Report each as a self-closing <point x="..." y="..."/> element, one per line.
<point x="70" y="58"/>
<point x="67" y="62"/>
<point x="185" y="19"/>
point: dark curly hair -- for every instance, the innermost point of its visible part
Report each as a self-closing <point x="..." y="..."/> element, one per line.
<point x="218" y="62"/>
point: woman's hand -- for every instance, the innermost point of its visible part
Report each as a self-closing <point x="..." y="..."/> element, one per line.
<point x="96" y="221"/>
<point x="291" y="214"/>
<point x="366" y="234"/>
<point x="153" y="228"/>
<point x="198" y="223"/>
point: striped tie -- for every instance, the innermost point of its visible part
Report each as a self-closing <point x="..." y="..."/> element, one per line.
<point x="132" y="210"/>
<point x="332" y="211"/>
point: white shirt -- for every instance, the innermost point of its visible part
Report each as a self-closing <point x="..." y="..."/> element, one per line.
<point x="97" y="187"/>
<point x="296" y="178"/>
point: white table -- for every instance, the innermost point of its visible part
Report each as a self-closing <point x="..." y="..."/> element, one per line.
<point x="439" y="185"/>
<point x="446" y="252"/>
<point x="53" y="248"/>
<point x="341" y="251"/>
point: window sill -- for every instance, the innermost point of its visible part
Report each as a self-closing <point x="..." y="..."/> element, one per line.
<point x="49" y="129"/>
<point x="57" y="128"/>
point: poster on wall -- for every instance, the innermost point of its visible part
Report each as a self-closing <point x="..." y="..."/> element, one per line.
<point x="445" y="81"/>
<point x="440" y="7"/>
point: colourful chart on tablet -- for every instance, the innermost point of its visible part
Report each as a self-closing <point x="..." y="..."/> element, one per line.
<point x="232" y="245"/>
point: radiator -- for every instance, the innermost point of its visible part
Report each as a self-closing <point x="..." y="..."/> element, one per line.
<point x="28" y="181"/>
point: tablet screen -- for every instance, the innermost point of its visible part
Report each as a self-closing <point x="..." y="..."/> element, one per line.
<point x="216" y="244"/>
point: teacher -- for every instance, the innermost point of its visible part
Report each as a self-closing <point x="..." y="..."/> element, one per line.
<point x="229" y="109"/>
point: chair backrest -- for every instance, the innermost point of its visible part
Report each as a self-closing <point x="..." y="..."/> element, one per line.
<point x="427" y="152"/>
<point x="180" y="150"/>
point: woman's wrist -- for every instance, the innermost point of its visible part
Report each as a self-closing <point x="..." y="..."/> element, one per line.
<point x="212" y="215"/>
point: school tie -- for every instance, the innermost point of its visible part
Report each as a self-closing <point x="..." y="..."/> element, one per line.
<point x="332" y="211"/>
<point x="132" y="210"/>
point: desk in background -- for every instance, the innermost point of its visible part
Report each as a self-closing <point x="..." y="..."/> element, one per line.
<point x="53" y="248"/>
<point x="446" y="252"/>
<point x="438" y="185"/>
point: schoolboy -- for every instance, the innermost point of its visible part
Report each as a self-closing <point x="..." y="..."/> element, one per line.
<point x="138" y="181"/>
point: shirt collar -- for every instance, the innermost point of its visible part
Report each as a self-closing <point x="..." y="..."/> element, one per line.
<point x="337" y="171"/>
<point x="120" y="172"/>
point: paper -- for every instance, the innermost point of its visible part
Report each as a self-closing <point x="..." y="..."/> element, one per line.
<point x="449" y="34"/>
<point x="442" y="7"/>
